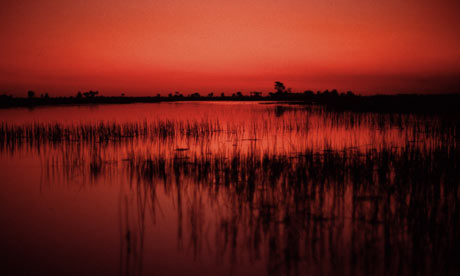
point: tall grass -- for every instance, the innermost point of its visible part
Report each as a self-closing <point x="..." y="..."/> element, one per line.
<point x="258" y="191"/>
<point x="383" y="211"/>
<point x="316" y="124"/>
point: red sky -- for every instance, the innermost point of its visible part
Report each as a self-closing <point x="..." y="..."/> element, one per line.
<point x="147" y="47"/>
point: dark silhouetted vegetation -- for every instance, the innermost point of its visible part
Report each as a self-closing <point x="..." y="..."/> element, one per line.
<point x="400" y="103"/>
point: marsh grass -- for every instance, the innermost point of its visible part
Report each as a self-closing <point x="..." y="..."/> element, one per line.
<point x="389" y="207"/>
<point x="311" y="122"/>
<point x="403" y="211"/>
<point x="385" y="211"/>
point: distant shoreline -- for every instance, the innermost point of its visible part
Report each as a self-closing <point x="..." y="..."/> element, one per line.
<point x="401" y="103"/>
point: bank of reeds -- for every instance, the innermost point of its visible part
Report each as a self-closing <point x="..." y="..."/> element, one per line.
<point x="375" y="210"/>
<point x="413" y="128"/>
<point x="381" y="212"/>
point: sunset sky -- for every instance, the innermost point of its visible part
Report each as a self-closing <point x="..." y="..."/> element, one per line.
<point x="145" y="47"/>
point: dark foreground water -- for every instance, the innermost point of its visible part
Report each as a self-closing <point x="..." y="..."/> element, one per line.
<point x="227" y="189"/>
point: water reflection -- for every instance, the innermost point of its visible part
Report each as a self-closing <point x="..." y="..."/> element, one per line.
<point x="292" y="192"/>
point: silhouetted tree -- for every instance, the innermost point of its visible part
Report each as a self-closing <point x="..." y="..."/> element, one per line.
<point x="222" y="94"/>
<point x="350" y="94"/>
<point x="308" y="93"/>
<point x="91" y="94"/>
<point x="30" y="94"/>
<point x="211" y="95"/>
<point x="279" y="87"/>
<point x="195" y="95"/>
<point x="239" y="94"/>
<point x="79" y="95"/>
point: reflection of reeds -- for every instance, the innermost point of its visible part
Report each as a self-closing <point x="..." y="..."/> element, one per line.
<point x="400" y="201"/>
<point x="379" y="209"/>
<point x="386" y="166"/>
<point x="383" y="211"/>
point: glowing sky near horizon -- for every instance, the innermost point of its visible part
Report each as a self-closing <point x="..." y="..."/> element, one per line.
<point x="147" y="47"/>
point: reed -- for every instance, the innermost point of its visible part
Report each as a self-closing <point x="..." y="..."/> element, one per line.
<point x="298" y="123"/>
<point x="383" y="208"/>
<point x="386" y="211"/>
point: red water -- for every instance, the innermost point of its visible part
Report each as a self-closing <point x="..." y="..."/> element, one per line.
<point x="61" y="217"/>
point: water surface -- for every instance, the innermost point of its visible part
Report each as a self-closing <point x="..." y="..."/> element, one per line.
<point x="227" y="188"/>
